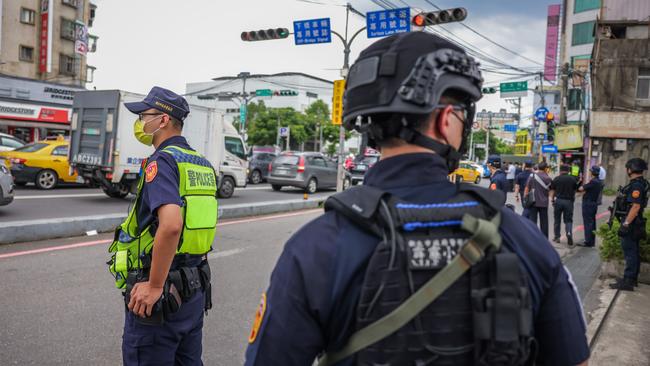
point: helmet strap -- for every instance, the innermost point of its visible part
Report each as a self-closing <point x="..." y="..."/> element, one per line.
<point x="412" y="136"/>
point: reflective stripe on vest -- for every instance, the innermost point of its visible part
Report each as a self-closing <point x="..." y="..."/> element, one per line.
<point x="198" y="189"/>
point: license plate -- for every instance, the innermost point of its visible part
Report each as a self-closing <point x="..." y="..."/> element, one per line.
<point x="361" y="167"/>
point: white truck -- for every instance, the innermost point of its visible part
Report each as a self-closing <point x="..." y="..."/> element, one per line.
<point x="105" y="153"/>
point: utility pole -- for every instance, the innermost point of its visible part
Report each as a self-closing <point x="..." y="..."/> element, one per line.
<point x="344" y="73"/>
<point x="519" y="112"/>
<point x="245" y="100"/>
<point x="564" y="92"/>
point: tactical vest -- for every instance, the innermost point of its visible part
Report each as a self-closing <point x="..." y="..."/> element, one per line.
<point x="622" y="206"/>
<point x="483" y="318"/>
<point x="575" y="170"/>
<point x="198" y="190"/>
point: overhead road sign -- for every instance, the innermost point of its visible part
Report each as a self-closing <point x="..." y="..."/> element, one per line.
<point x="312" y="31"/>
<point x="499" y="115"/>
<point x="384" y="23"/>
<point x="510" y="128"/>
<point x="263" y="92"/>
<point x="514" y="89"/>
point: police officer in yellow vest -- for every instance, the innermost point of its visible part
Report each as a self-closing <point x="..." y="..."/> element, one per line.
<point x="159" y="255"/>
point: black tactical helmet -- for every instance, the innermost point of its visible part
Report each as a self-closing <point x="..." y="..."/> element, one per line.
<point x="636" y="165"/>
<point x="405" y="75"/>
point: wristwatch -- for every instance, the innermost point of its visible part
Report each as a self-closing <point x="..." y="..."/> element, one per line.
<point x="626" y="224"/>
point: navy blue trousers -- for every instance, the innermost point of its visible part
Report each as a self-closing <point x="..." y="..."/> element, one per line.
<point x="630" y="246"/>
<point x="177" y="342"/>
<point x="589" y="210"/>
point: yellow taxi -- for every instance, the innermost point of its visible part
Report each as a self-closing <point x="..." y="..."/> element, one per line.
<point x="466" y="172"/>
<point x="45" y="163"/>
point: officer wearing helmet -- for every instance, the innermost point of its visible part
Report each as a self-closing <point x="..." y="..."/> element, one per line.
<point x="396" y="272"/>
<point x="630" y="206"/>
<point x="498" y="177"/>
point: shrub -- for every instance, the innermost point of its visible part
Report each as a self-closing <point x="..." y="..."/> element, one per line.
<point x="610" y="248"/>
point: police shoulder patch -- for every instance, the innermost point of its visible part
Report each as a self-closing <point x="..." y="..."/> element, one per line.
<point x="150" y="171"/>
<point x="636" y="194"/>
<point x="493" y="186"/>
<point x="259" y="316"/>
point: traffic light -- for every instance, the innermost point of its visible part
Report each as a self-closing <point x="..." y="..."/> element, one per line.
<point x="265" y="35"/>
<point x="489" y="90"/>
<point x="439" y="17"/>
<point x="550" y="119"/>
<point x="285" y="93"/>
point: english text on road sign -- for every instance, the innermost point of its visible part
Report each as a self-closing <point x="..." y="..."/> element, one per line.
<point x="540" y="114"/>
<point x="284" y="131"/>
<point x="386" y="22"/>
<point x="312" y="31"/>
<point x="337" y="102"/>
<point x="549" y="149"/>
<point x="514" y="89"/>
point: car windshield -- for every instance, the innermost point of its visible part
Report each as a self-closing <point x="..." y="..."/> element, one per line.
<point x="31" y="147"/>
<point x="287" y="160"/>
<point x="369" y="160"/>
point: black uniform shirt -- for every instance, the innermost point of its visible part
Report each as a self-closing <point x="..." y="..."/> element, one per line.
<point x="592" y="190"/>
<point x="565" y="186"/>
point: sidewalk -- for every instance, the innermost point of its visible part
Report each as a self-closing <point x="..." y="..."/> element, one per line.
<point x="625" y="332"/>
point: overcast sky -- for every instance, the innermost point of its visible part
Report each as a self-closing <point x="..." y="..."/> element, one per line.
<point x="170" y="42"/>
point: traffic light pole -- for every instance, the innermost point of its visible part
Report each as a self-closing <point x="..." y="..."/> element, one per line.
<point x="344" y="73"/>
<point x="487" y="136"/>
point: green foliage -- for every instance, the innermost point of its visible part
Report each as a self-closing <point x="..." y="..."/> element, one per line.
<point x="332" y="149"/>
<point x="609" y="192"/>
<point x="610" y="248"/>
<point x="264" y="122"/>
<point x="497" y="146"/>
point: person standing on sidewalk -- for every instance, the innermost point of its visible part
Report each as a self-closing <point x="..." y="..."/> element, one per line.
<point x="520" y="184"/>
<point x="562" y="195"/>
<point x="540" y="182"/>
<point x="510" y="176"/>
<point x="498" y="178"/>
<point x="590" y="201"/>
<point x="635" y="200"/>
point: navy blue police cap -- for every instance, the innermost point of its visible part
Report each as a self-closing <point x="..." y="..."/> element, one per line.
<point x="163" y="100"/>
<point x="595" y="170"/>
<point x="494" y="160"/>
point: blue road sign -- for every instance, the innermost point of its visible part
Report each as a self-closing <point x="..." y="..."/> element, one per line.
<point x="386" y="22"/>
<point x="312" y="31"/>
<point x="549" y="149"/>
<point x="540" y="114"/>
<point x="284" y="131"/>
<point x="510" y="128"/>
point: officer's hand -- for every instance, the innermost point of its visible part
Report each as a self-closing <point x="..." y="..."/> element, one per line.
<point x="143" y="297"/>
<point x="624" y="230"/>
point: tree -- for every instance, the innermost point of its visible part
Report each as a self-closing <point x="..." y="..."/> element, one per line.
<point x="497" y="146"/>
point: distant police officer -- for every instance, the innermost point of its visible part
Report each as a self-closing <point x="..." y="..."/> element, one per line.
<point x="159" y="252"/>
<point x="590" y="201"/>
<point x="411" y="269"/>
<point x="498" y="177"/>
<point x="562" y="194"/>
<point x="630" y="207"/>
<point x="520" y="184"/>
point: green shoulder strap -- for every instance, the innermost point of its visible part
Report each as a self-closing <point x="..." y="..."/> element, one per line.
<point x="485" y="234"/>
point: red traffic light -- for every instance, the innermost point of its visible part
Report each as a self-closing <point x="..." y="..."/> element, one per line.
<point x="418" y="20"/>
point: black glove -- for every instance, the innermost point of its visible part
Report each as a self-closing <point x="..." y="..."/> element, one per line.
<point x="624" y="230"/>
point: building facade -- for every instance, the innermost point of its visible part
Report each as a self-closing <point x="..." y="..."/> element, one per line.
<point x="620" y="123"/>
<point x="47" y="40"/>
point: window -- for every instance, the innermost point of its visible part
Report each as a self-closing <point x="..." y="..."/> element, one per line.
<point x="584" y="5"/>
<point x="67" y="29"/>
<point x="72" y="3"/>
<point x="12" y="143"/>
<point x="583" y="33"/>
<point x="31" y="147"/>
<point x="286" y="160"/>
<point x="66" y="64"/>
<point x="60" y="151"/>
<point x="643" y="84"/>
<point x="318" y="161"/>
<point x="27" y="16"/>
<point x="235" y="147"/>
<point x="26" y="54"/>
<point x="575" y="99"/>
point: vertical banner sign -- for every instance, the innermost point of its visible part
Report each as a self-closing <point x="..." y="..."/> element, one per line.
<point x="552" y="34"/>
<point x="45" y="53"/>
<point x="81" y="39"/>
<point x="522" y="145"/>
<point x="337" y="102"/>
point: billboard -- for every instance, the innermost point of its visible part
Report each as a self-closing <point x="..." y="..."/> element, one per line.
<point x="45" y="37"/>
<point x="568" y="137"/>
<point x="552" y="36"/>
<point x="522" y="143"/>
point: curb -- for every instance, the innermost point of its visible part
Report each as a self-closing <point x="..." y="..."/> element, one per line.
<point x="23" y="231"/>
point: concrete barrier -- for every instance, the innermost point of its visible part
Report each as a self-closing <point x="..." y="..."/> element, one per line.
<point x="33" y="230"/>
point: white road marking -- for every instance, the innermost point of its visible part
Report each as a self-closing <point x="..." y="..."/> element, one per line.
<point x="60" y="196"/>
